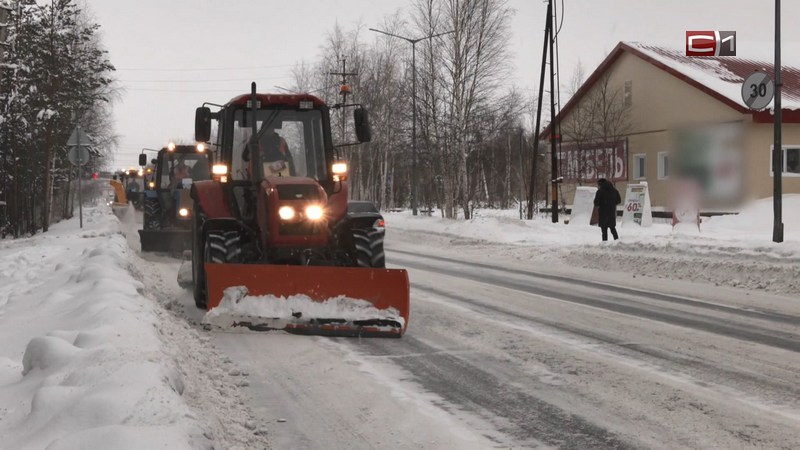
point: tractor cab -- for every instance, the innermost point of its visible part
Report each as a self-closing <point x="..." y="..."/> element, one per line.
<point x="176" y="166"/>
<point x="168" y="206"/>
<point x="289" y="143"/>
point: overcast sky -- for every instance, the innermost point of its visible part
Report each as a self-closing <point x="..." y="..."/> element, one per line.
<point x="173" y="55"/>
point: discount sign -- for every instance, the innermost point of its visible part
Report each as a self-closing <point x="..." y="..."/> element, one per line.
<point x="637" y="208"/>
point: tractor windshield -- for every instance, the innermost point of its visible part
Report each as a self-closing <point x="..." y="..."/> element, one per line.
<point x="181" y="168"/>
<point x="291" y="143"/>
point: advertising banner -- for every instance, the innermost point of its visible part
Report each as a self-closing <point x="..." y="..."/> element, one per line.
<point x="586" y="163"/>
<point x="582" y="205"/>
<point x="637" y="208"/>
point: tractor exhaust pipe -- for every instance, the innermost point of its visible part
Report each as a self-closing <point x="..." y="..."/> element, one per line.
<point x="255" y="151"/>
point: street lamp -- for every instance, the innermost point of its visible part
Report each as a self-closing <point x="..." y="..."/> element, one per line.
<point x="413" y="107"/>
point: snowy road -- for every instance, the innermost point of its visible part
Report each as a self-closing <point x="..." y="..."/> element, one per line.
<point x="506" y="355"/>
<point x="577" y="363"/>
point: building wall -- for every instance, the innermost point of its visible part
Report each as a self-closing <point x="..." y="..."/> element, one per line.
<point x="758" y="177"/>
<point x="663" y="106"/>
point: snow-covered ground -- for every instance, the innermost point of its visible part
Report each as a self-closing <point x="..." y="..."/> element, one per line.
<point x="733" y="250"/>
<point x="90" y="361"/>
<point x="94" y="358"/>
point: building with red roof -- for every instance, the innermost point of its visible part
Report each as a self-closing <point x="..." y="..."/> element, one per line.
<point x="651" y="114"/>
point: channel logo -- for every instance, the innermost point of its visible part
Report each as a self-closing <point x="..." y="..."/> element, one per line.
<point x="710" y="43"/>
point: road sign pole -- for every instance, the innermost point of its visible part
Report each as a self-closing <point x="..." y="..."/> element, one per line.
<point x="758" y="90"/>
<point x="777" y="153"/>
<point x="80" y="190"/>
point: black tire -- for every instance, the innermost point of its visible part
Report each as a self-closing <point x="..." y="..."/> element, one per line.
<point x="198" y="259"/>
<point x="152" y="214"/>
<point x="223" y="247"/>
<point x="218" y="247"/>
<point x="215" y="249"/>
<point x="368" y="248"/>
<point x="233" y="246"/>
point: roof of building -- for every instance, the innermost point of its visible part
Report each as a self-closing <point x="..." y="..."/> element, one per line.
<point x="723" y="74"/>
<point x="721" y="77"/>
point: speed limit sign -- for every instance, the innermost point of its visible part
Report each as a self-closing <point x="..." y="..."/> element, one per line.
<point x="758" y="90"/>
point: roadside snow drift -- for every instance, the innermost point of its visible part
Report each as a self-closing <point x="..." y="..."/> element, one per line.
<point x="82" y="364"/>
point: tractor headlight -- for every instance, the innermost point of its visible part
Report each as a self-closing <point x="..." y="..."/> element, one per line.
<point x="314" y="212"/>
<point x="339" y="170"/>
<point x="152" y="184"/>
<point x="183" y="212"/>
<point x="219" y="169"/>
<point x="286" y="212"/>
<point x="201" y="147"/>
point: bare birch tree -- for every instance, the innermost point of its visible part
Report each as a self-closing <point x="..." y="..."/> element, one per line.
<point x="474" y="65"/>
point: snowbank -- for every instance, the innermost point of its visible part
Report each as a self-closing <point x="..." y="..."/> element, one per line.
<point x="82" y="364"/>
<point x="735" y="250"/>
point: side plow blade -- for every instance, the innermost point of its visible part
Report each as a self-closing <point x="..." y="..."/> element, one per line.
<point x="331" y="301"/>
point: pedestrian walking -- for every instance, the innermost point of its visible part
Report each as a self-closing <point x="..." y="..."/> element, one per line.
<point x="606" y="200"/>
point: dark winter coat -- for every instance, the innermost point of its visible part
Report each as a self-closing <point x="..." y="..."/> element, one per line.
<point x="606" y="199"/>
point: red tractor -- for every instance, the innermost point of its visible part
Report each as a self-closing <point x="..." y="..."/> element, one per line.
<point x="274" y="221"/>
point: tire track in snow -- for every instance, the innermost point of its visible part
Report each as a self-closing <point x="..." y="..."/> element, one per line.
<point x="464" y="383"/>
<point x="613" y="301"/>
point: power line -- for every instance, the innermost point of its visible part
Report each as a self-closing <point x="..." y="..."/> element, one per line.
<point x="206" y="81"/>
<point x="184" y="90"/>
<point x="142" y="69"/>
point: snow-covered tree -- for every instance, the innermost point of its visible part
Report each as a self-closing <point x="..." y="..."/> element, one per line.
<point x="56" y="76"/>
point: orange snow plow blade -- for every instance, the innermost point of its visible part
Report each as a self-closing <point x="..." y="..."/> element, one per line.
<point x="320" y="300"/>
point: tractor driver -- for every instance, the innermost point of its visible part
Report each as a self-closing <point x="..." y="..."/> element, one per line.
<point x="179" y="172"/>
<point x="276" y="156"/>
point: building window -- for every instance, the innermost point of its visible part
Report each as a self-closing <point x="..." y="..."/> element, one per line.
<point x="639" y="165"/>
<point x="790" y="161"/>
<point x="628" y="94"/>
<point x="663" y="165"/>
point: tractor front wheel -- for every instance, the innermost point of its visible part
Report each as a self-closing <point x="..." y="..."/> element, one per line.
<point x="368" y="248"/>
<point x="152" y="214"/>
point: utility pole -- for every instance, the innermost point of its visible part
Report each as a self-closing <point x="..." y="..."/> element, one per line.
<point x="553" y="128"/>
<point x="777" y="149"/>
<point x="548" y="35"/>
<point x="344" y="89"/>
<point x="521" y="173"/>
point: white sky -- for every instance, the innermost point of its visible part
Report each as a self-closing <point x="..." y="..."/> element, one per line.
<point x="148" y="39"/>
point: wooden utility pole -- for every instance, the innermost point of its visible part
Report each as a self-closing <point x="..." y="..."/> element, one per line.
<point x="548" y="39"/>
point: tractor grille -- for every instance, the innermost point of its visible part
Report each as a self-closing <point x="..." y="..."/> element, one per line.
<point x="303" y="228"/>
<point x="298" y="192"/>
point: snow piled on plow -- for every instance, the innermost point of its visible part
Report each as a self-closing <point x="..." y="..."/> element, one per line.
<point x="237" y="304"/>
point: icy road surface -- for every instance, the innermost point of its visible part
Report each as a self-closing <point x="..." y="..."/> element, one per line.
<point x="504" y="355"/>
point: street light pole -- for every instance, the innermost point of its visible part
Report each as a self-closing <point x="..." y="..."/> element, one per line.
<point x="414" y="127"/>
<point x="413" y="42"/>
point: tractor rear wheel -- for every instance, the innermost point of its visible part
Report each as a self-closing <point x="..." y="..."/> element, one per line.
<point x="368" y="248"/>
